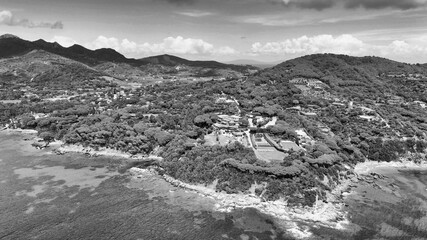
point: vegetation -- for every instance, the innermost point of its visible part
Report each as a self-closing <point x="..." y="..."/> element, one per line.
<point x="375" y="118"/>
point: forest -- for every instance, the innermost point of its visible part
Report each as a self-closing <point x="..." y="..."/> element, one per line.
<point x="172" y="119"/>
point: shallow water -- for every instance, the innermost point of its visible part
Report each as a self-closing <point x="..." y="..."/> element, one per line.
<point x="47" y="196"/>
<point x="394" y="208"/>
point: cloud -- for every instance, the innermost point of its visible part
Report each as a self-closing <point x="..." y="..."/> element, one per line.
<point x="172" y="45"/>
<point x="380" y="4"/>
<point x="366" y="4"/>
<point x="309" y="4"/>
<point x="226" y="51"/>
<point x="195" y="14"/>
<point x="179" y="2"/>
<point x="273" y="20"/>
<point x="342" y="44"/>
<point x="7" y="18"/>
<point x="64" y="41"/>
<point x="307" y="45"/>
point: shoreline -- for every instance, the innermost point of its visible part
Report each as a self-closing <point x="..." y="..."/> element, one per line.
<point x="369" y="167"/>
<point x="62" y="148"/>
<point x="328" y="214"/>
<point x="18" y="130"/>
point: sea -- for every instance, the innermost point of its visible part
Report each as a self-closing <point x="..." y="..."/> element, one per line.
<point x="74" y="196"/>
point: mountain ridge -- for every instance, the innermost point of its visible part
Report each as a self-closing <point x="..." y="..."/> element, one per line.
<point x="11" y="45"/>
<point x="170" y="60"/>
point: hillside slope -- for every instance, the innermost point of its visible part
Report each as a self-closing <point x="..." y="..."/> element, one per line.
<point x="14" y="46"/>
<point x="40" y="69"/>
<point x="169" y="60"/>
<point x="356" y="76"/>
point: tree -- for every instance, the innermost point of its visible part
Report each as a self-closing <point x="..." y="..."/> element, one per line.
<point x="205" y="120"/>
<point x="48" y="137"/>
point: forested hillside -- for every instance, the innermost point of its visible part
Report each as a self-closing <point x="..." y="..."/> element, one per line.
<point x="335" y="110"/>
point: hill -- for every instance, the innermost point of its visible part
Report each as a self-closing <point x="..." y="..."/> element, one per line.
<point x="39" y="69"/>
<point x="356" y="76"/>
<point x="341" y="110"/>
<point x="11" y="45"/>
<point x="169" y="60"/>
<point x="255" y="63"/>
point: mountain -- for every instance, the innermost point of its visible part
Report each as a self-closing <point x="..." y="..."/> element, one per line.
<point x="355" y="76"/>
<point x="169" y="60"/>
<point x="255" y="63"/>
<point x="11" y="45"/>
<point x="324" y="64"/>
<point x="337" y="70"/>
<point x="39" y="69"/>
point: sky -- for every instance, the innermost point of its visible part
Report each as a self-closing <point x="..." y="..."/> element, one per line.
<point x="226" y="30"/>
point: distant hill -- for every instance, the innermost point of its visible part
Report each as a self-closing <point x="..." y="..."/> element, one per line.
<point x="255" y="63"/>
<point x="39" y="69"/>
<point x="342" y="68"/>
<point x="358" y="76"/>
<point x="169" y="60"/>
<point x="11" y="45"/>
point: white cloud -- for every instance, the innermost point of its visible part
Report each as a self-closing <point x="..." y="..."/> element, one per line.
<point x="7" y="18"/>
<point x="273" y="20"/>
<point x="105" y="42"/>
<point x="307" y="45"/>
<point x="64" y="41"/>
<point x="342" y="44"/>
<point x="226" y="51"/>
<point x="172" y="45"/>
<point x="195" y="14"/>
<point x="187" y="45"/>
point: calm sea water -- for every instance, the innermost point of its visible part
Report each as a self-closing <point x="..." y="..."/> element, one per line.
<point x="46" y="196"/>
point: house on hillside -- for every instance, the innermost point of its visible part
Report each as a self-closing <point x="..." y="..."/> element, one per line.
<point x="395" y="100"/>
<point x="294" y="109"/>
<point x="309" y="114"/>
<point x="303" y="138"/>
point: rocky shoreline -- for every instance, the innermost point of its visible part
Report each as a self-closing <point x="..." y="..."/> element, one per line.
<point x="67" y="148"/>
<point x="328" y="214"/>
<point x="369" y="167"/>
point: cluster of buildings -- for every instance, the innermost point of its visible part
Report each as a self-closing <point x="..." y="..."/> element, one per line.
<point x="310" y="83"/>
<point x="407" y="76"/>
<point x="228" y="122"/>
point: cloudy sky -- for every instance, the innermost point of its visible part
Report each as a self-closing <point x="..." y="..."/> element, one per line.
<point x="263" y="30"/>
